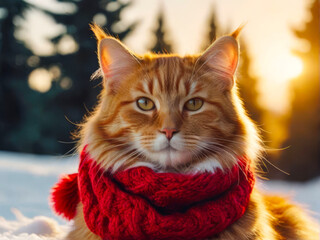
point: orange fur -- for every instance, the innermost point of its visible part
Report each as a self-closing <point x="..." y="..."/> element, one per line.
<point x="120" y="135"/>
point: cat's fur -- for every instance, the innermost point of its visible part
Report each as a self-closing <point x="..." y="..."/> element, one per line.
<point x="120" y="135"/>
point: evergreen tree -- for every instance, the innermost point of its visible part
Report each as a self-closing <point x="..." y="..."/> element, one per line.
<point x="302" y="158"/>
<point x="161" y="45"/>
<point x="72" y="92"/>
<point x="15" y="95"/>
<point x="247" y="84"/>
<point x="212" y="35"/>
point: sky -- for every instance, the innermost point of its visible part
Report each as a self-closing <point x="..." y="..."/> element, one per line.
<point x="268" y="34"/>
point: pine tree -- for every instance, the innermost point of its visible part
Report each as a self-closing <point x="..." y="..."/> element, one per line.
<point x="72" y="92"/>
<point x="161" y="45"/>
<point x="247" y="84"/>
<point x="15" y="95"/>
<point x="302" y="158"/>
<point x="212" y="34"/>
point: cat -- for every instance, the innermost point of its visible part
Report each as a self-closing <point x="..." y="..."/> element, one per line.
<point x="181" y="114"/>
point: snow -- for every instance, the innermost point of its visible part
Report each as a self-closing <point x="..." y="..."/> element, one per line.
<point x="39" y="227"/>
<point x="26" y="180"/>
<point x="306" y="195"/>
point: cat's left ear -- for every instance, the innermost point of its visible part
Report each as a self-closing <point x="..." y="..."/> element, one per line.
<point x="116" y="61"/>
<point x="222" y="57"/>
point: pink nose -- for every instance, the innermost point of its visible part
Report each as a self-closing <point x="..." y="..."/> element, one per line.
<point x="169" y="132"/>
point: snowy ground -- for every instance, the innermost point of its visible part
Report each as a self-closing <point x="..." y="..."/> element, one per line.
<point x="25" y="182"/>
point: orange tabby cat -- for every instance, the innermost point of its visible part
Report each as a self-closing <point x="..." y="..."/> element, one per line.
<point x="193" y="101"/>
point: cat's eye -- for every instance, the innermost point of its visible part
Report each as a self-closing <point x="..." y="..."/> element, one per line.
<point x="193" y="104"/>
<point x="145" y="104"/>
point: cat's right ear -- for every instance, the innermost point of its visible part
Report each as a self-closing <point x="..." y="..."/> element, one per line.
<point x="222" y="58"/>
<point x="116" y="61"/>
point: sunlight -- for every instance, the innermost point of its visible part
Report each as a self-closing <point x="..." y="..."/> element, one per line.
<point x="67" y="45"/>
<point x="288" y="67"/>
<point x="40" y="80"/>
<point x="278" y="70"/>
<point x="282" y="67"/>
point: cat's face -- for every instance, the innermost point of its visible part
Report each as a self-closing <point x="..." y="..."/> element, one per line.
<point x="168" y="111"/>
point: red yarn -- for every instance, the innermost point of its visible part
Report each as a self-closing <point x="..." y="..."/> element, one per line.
<point x="65" y="196"/>
<point x="139" y="203"/>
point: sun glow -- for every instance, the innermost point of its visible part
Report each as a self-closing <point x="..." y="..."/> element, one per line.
<point x="288" y="67"/>
<point x="40" y="80"/>
<point x="278" y="71"/>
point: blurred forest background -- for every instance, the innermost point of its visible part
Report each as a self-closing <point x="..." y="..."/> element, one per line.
<point x="42" y="96"/>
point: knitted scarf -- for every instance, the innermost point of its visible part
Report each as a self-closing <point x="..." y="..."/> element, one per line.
<point x="139" y="203"/>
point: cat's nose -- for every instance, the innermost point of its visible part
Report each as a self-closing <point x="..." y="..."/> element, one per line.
<point x="169" y="132"/>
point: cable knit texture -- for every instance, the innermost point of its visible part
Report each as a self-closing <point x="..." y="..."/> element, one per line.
<point x="139" y="203"/>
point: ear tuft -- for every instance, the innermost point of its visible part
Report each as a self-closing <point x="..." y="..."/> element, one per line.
<point x="98" y="32"/>
<point x="237" y="32"/>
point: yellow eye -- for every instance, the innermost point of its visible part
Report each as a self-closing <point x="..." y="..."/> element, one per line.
<point x="193" y="104"/>
<point x="145" y="104"/>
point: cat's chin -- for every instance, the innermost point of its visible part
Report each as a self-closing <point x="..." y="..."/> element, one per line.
<point x="170" y="157"/>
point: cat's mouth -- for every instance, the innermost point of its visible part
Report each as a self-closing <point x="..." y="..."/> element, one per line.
<point x="169" y="157"/>
<point x="169" y="148"/>
<point x="166" y="150"/>
<point x="166" y="153"/>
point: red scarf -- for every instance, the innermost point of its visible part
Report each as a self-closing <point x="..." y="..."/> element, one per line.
<point x="139" y="203"/>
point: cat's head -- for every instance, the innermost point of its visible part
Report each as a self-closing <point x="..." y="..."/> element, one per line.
<point x="169" y="112"/>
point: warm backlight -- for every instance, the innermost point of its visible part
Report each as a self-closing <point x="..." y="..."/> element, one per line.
<point x="40" y="80"/>
<point x="293" y="68"/>
<point x="288" y="67"/>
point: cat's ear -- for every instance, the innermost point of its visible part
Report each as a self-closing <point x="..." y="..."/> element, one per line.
<point x="222" y="57"/>
<point x="116" y="61"/>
